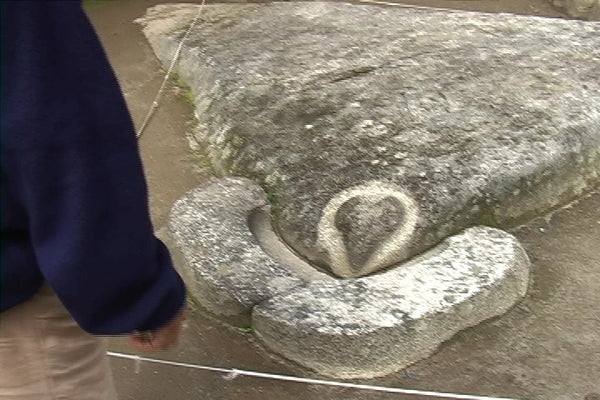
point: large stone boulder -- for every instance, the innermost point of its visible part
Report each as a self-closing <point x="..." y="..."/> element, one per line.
<point x="377" y="132"/>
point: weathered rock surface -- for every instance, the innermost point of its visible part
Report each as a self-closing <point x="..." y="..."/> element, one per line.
<point x="377" y="140"/>
<point x="227" y="270"/>
<point x="587" y="9"/>
<point x="367" y="327"/>
<point x="347" y="328"/>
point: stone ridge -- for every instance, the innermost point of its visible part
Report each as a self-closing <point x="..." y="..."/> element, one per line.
<point x="368" y="327"/>
<point x="474" y="118"/>
<point x="226" y="269"/>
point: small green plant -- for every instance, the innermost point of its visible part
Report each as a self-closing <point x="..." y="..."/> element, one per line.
<point x="188" y="96"/>
<point x="176" y="80"/>
<point x="246" y="329"/>
<point x="488" y="219"/>
<point x="182" y="89"/>
<point x="275" y="203"/>
<point x="272" y="197"/>
<point x="202" y="162"/>
<point x="465" y="336"/>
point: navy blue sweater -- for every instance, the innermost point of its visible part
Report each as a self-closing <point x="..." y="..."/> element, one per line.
<point x="74" y="208"/>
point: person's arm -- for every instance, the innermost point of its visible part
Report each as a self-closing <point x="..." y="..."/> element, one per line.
<point x="72" y="155"/>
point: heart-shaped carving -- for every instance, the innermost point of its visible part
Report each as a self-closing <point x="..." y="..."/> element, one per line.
<point x="366" y="228"/>
<point x="365" y="223"/>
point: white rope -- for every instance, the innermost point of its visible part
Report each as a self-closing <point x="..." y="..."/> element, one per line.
<point x="232" y="373"/>
<point x="416" y="7"/>
<point x="401" y="5"/>
<point x="154" y="105"/>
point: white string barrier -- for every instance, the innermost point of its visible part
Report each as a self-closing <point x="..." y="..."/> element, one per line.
<point x="232" y="373"/>
<point x="426" y="8"/>
<point x="412" y="6"/>
<point x="154" y="105"/>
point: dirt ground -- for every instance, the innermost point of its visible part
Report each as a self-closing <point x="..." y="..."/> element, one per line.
<point x="546" y="348"/>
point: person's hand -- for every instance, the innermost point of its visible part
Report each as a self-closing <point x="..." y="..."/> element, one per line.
<point x="160" y="339"/>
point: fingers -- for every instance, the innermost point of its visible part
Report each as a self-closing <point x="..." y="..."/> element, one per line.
<point x="163" y="338"/>
<point x="141" y="342"/>
<point x="152" y="343"/>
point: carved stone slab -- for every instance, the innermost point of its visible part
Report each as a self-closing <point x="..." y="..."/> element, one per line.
<point x="378" y="140"/>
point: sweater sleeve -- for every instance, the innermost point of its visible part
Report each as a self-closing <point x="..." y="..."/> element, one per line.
<point x="73" y="162"/>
